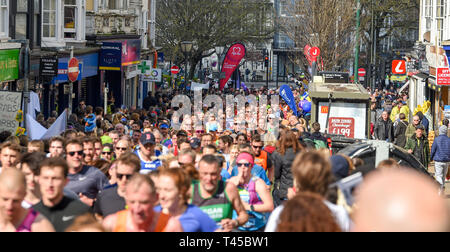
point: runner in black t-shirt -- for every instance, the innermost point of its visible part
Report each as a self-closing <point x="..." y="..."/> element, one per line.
<point x="111" y="200"/>
<point x="57" y="208"/>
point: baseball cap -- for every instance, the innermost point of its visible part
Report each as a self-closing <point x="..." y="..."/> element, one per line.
<point x="195" y="143"/>
<point x="164" y="126"/>
<point x="147" y="138"/>
<point x="420" y="126"/>
<point x="106" y="140"/>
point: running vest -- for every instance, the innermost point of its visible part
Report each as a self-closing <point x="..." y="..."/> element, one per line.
<point x="249" y="195"/>
<point x="261" y="160"/>
<point x="218" y="207"/>
<point x="121" y="224"/>
<point x="28" y="221"/>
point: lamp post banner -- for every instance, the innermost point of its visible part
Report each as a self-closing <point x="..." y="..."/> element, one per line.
<point x="234" y="56"/>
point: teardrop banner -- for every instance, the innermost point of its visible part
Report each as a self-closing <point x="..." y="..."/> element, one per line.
<point x="232" y="60"/>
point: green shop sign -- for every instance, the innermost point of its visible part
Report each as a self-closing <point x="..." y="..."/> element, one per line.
<point x="9" y="65"/>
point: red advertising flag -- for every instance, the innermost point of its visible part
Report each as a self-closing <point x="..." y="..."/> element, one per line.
<point x="234" y="56"/>
<point x="308" y="55"/>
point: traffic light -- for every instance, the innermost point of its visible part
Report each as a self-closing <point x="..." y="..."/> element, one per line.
<point x="373" y="70"/>
<point x="266" y="61"/>
<point x="388" y="67"/>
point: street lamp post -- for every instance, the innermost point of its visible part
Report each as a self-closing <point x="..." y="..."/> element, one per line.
<point x="186" y="48"/>
<point x="219" y="51"/>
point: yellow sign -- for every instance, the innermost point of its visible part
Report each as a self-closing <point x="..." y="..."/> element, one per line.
<point x="399" y="78"/>
<point x="20" y="131"/>
<point x="19" y="116"/>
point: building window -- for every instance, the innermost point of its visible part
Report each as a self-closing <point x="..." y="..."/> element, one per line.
<point x="4" y="17"/>
<point x="286" y="8"/>
<point x="70" y="19"/>
<point x="118" y="4"/>
<point x="440" y="14"/>
<point x="49" y="19"/>
<point x="428" y="14"/>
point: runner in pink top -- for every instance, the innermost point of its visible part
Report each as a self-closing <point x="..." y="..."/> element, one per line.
<point x="28" y="222"/>
<point x="13" y="217"/>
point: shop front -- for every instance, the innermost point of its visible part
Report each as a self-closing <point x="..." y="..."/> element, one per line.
<point x="119" y="72"/>
<point x="87" y="86"/>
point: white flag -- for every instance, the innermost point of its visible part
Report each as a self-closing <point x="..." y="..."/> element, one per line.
<point x="34" y="129"/>
<point x="58" y="127"/>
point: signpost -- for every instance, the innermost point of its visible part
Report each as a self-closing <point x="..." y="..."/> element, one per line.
<point x="361" y="72"/>
<point x="73" y="69"/>
<point x="175" y="70"/>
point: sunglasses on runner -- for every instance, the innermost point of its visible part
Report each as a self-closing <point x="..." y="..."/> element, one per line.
<point x="257" y="147"/>
<point x="106" y="153"/>
<point x="120" y="176"/>
<point x="72" y="153"/>
<point x="246" y="165"/>
<point x="122" y="149"/>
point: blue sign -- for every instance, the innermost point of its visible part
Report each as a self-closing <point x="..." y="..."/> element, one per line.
<point x="88" y="68"/>
<point x="288" y="97"/>
<point x="447" y="52"/>
<point x="111" y="56"/>
<point x="160" y="57"/>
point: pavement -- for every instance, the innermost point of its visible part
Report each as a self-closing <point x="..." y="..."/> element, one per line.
<point x="447" y="187"/>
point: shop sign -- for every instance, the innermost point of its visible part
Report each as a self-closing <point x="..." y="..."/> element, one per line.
<point x="9" y="65"/>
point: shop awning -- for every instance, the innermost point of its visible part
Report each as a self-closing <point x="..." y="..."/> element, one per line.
<point x="421" y="76"/>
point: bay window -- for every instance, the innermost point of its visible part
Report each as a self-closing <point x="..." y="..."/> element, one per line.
<point x="70" y="18"/>
<point x="63" y="21"/>
<point x="49" y="19"/>
<point x="4" y="18"/>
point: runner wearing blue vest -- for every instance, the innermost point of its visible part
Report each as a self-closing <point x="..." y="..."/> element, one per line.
<point x="146" y="152"/>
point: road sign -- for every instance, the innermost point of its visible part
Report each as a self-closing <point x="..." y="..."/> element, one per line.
<point x="155" y="75"/>
<point x="175" y="70"/>
<point x="73" y="69"/>
<point x="443" y="76"/>
<point x="315" y="52"/>
<point x="399" y="67"/>
<point x="361" y="72"/>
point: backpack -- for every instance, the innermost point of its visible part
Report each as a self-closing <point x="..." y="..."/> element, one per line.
<point x="318" y="144"/>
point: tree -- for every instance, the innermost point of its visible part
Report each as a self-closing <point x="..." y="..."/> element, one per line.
<point x="210" y="23"/>
<point x="392" y="18"/>
<point x="327" y="24"/>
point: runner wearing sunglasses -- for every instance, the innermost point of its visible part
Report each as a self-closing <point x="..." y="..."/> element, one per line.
<point x="254" y="194"/>
<point x="85" y="181"/>
<point x="112" y="200"/>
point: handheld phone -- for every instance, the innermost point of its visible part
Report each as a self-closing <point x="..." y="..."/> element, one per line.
<point x="348" y="186"/>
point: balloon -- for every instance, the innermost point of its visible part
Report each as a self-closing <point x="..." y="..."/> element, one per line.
<point x="305" y="106"/>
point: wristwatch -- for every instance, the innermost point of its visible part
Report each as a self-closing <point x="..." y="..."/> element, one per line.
<point x="252" y="207"/>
